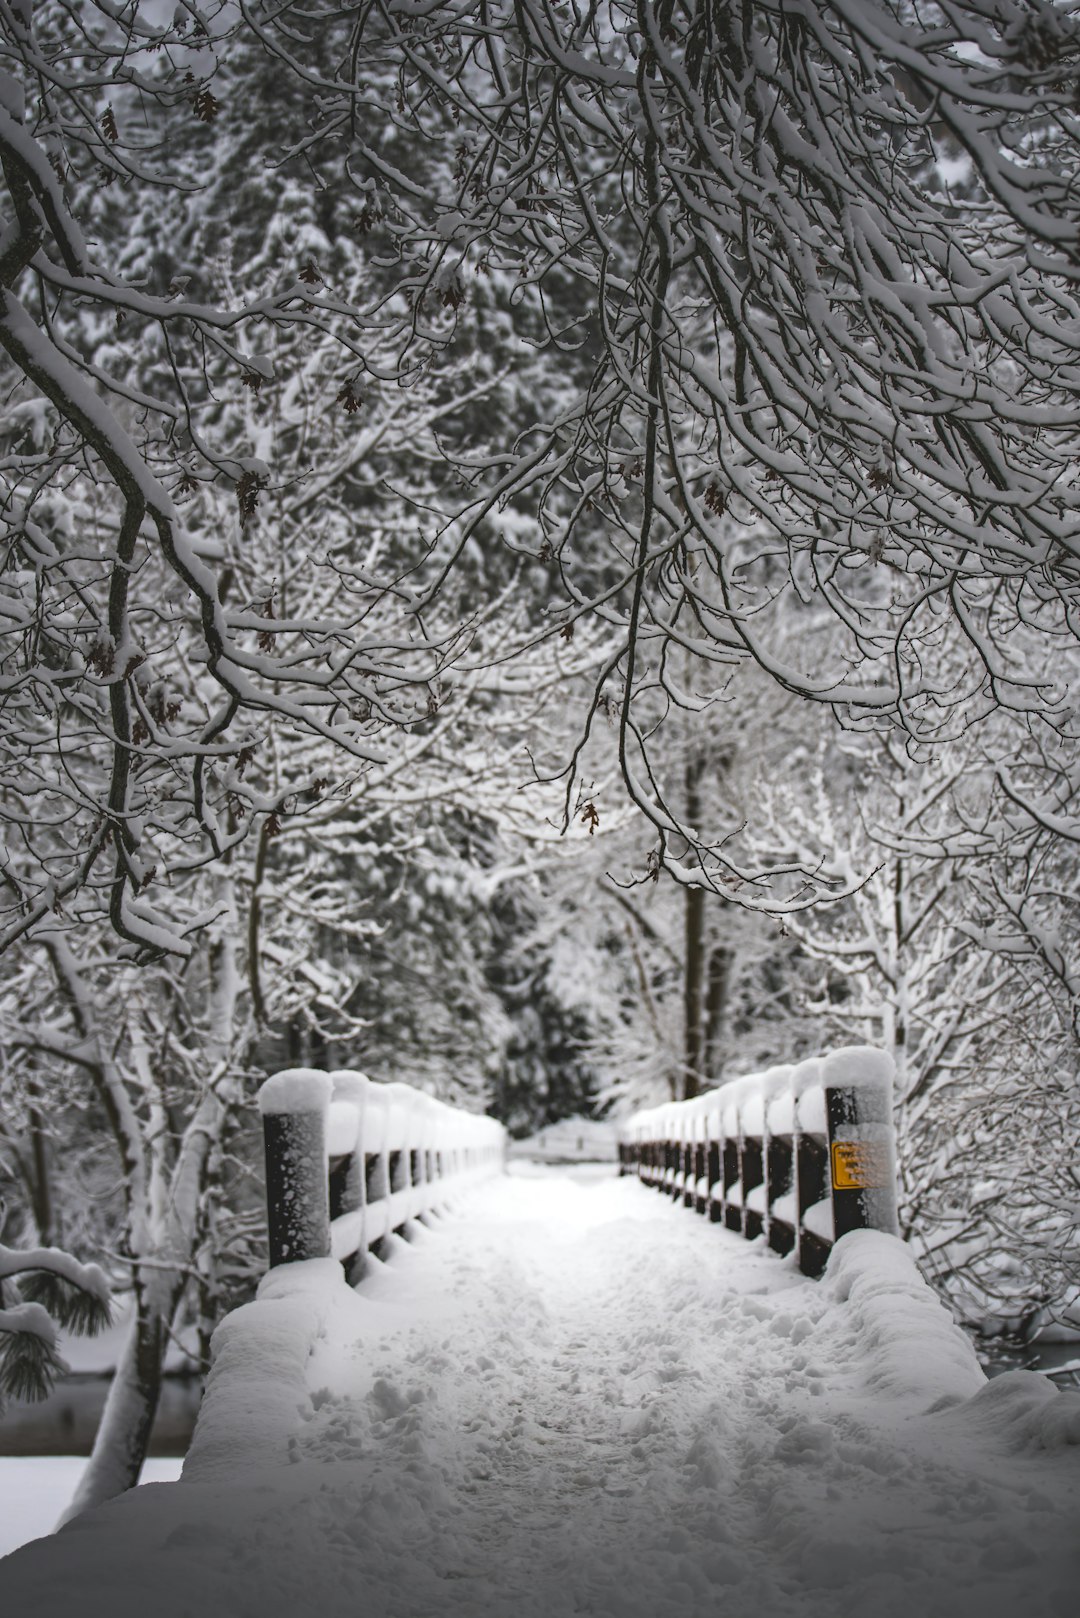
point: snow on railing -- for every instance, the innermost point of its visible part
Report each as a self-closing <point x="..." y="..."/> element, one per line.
<point x="349" y="1161"/>
<point x="798" y="1154"/>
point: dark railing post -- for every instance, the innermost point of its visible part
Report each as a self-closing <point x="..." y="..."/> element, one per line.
<point x="729" y="1126"/>
<point x="700" y="1199"/>
<point x="779" y="1181"/>
<point x="344" y="1157"/>
<point x="752" y="1164"/>
<point x="713" y="1174"/>
<point x="293" y="1107"/>
<point x="811" y="1188"/>
<point x="862" y="1153"/>
<point x="803" y="1153"/>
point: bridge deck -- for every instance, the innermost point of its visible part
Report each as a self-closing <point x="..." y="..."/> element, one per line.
<point x="576" y="1398"/>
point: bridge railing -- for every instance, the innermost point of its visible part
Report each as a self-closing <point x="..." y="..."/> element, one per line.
<point x="799" y="1154"/>
<point x="349" y="1161"/>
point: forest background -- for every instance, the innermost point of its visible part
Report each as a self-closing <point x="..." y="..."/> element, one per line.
<point x="539" y="559"/>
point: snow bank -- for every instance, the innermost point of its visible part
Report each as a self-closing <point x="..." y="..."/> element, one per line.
<point x="905" y="1340"/>
<point x="256" y="1391"/>
<point x="575" y="1397"/>
<point x="905" y="1344"/>
<point x="1025" y="1410"/>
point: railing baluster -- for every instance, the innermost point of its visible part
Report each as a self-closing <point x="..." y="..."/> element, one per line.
<point x="348" y="1161"/>
<point x="801" y="1155"/>
<point x="294" y="1105"/>
<point x="862" y="1169"/>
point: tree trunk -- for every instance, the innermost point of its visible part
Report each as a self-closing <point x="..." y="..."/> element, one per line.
<point x="694" y="993"/>
<point x="124" y="1429"/>
<point x="720" y="963"/>
<point x="695" y="923"/>
<point x="41" y="1188"/>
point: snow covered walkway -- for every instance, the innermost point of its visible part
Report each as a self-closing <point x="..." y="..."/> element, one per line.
<point x="573" y="1397"/>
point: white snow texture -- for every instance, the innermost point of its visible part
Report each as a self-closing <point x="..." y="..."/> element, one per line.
<point x="574" y="1397"/>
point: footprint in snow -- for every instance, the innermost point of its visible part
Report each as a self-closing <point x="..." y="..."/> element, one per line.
<point x="390" y="1401"/>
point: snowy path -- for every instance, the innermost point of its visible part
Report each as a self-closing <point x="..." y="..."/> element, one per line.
<point x="576" y="1398"/>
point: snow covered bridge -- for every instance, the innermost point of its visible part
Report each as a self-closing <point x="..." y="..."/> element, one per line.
<point x="564" y="1394"/>
<point x="801" y="1154"/>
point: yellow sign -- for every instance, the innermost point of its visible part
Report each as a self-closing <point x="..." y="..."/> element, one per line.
<point x="859" y="1165"/>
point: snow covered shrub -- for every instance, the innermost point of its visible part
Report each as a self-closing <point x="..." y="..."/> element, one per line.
<point x="40" y="1289"/>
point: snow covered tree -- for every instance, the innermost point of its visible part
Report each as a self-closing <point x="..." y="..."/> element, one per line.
<point x="153" y="648"/>
<point x="807" y="279"/>
<point x="527" y="352"/>
<point x="826" y="266"/>
<point x="925" y="955"/>
<point x="804" y="367"/>
<point x="193" y="635"/>
<point x="674" y="987"/>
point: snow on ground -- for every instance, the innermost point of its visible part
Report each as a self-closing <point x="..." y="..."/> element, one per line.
<point x="573" y="1397"/>
<point x="35" y="1490"/>
<point x="571" y="1140"/>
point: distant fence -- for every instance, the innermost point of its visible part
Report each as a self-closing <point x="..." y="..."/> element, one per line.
<point x="800" y="1155"/>
<point x="349" y="1161"/>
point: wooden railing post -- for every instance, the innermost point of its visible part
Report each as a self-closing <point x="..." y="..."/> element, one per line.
<point x="862" y="1152"/>
<point x="714" y="1174"/>
<point x="293" y="1107"/>
<point x="349" y="1162"/>
<point x="801" y="1154"/>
